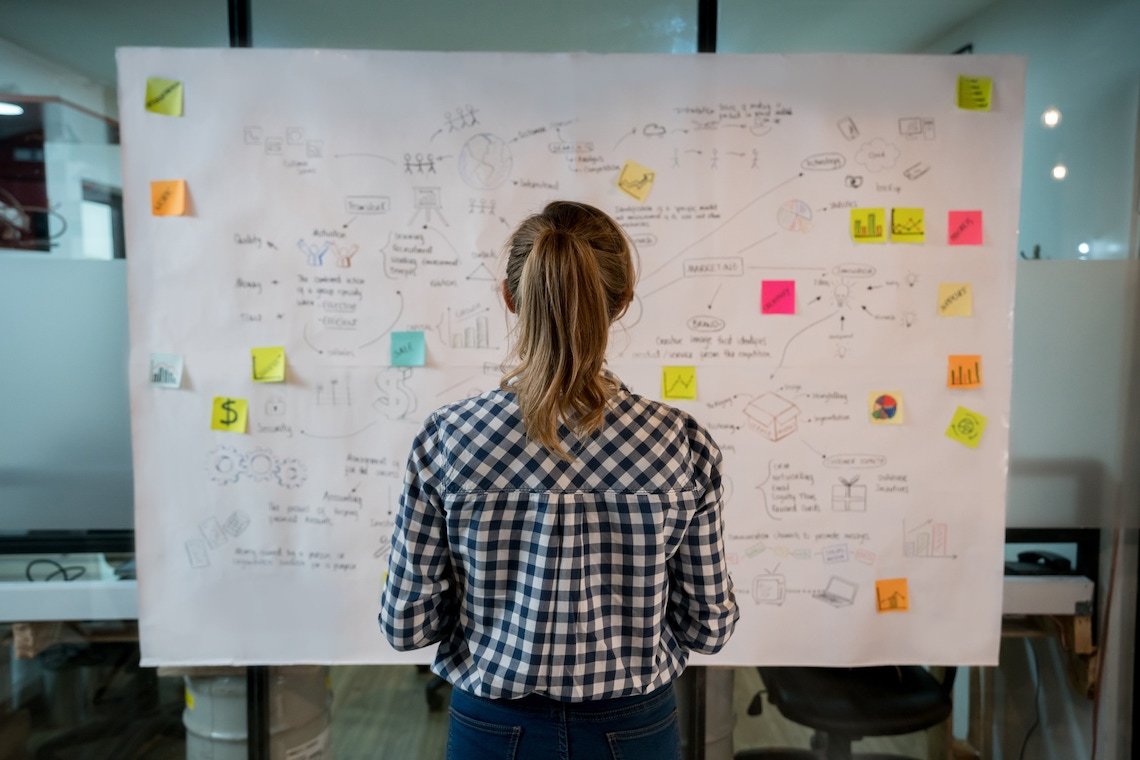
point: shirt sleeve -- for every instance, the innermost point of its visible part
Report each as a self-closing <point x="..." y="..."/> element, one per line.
<point x="702" y="607"/>
<point x="418" y="605"/>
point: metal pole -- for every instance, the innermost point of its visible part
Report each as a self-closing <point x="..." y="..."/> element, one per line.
<point x="706" y="26"/>
<point x="240" y="27"/>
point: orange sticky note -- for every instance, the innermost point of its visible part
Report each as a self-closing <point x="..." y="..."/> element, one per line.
<point x="891" y="595"/>
<point x="168" y="197"/>
<point x="964" y="371"/>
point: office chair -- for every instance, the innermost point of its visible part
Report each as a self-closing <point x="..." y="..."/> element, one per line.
<point x="845" y="704"/>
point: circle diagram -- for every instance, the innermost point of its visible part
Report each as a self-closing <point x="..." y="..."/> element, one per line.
<point x="885" y="407"/>
<point x="485" y="162"/>
<point x="794" y="216"/>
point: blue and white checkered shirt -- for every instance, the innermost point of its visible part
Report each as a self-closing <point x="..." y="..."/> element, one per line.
<point x="584" y="579"/>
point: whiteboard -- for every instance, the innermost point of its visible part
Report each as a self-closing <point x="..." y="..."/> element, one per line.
<point x="817" y="236"/>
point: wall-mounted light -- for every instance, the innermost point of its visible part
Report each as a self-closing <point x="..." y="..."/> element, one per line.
<point x="1060" y="171"/>
<point x="1051" y="117"/>
<point x="10" y="109"/>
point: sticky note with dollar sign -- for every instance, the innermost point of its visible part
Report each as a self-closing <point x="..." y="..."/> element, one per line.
<point x="230" y="414"/>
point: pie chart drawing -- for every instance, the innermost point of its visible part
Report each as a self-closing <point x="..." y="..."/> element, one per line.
<point x="794" y="216"/>
<point x="885" y="407"/>
<point x="485" y="162"/>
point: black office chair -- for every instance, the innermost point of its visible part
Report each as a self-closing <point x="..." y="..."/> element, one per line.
<point x="846" y="704"/>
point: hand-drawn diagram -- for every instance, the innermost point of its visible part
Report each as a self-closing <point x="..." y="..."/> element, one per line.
<point x="790" y="245"/>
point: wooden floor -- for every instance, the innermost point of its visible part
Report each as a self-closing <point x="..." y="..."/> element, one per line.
<point x="382" y="712"/>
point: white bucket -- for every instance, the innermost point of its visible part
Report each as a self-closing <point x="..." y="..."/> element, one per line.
<point x="300" y="702"/>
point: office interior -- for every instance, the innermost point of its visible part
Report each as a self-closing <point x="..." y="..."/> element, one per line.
<point x="70" y="683"/>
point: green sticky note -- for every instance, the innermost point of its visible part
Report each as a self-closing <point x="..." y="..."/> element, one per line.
<point x="268" y="364"/>
<point x="408" y="349"/>
<point x="679" y="382"/>
<point x="975" y="93"/>
<point x="164" y="96"/>
<point x="966" y="427"/>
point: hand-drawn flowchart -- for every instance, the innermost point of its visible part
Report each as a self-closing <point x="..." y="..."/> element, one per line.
<point x="825" y="249"/>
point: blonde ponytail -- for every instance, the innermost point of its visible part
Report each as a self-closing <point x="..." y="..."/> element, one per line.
<point x="570" y="275"/>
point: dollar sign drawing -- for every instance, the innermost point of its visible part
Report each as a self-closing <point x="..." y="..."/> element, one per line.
<point x="231" y="415"/>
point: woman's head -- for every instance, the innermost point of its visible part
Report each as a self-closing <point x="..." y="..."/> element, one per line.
<point x="570" y="274"/>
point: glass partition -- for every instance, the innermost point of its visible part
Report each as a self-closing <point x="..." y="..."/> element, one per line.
<point x="70" y="683"/>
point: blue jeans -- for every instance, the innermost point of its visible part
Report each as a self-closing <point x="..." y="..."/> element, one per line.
<point x="540" y="728"/>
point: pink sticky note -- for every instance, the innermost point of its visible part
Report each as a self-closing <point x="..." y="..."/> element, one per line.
<point x="778" y="297"/>
<point x="964" y="228"/>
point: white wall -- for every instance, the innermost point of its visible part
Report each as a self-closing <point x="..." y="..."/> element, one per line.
<point x="1084" y="58"/>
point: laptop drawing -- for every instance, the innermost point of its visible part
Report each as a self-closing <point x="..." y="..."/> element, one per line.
<point x="839" y="593"/>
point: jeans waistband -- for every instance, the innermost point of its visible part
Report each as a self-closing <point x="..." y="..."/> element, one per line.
<point x="541" y="703"/>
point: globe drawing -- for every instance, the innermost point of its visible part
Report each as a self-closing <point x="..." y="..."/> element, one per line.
<point x="485" y="162"/>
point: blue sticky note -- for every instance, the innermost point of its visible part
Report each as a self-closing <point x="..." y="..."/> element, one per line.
<point x="408" y="349"/>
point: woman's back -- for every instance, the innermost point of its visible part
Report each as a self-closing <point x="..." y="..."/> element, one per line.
<point x="579" y="578"/>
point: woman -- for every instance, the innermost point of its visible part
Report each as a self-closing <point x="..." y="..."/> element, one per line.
<point x="561" y="537"/>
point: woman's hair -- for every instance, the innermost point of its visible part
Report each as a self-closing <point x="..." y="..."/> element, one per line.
<point x="570" y="274"/>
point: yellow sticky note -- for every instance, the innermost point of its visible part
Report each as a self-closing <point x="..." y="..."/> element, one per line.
<point x="268" y="364"/>
<point x="891" y="595"/>
<point x="975" y="93"/>
<point x="230" y="414"/>
<point x="907" y="225"/>
<point x="164" y="96"/>
<point x="966" y="427"/>
<point x="868" y="225"/>
<point x="679" y="382"/>
<point x="168" y="197"/>
<point x="964" y="371"/>
<point x="636" y="180"/>
<point x="955" y="299"/>
<point x="885" y="407"/>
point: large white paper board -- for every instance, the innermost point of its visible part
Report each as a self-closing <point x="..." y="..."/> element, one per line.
<point x="336" y="198"/>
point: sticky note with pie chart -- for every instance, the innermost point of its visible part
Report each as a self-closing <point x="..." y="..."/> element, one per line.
<point x="885" y="407"/>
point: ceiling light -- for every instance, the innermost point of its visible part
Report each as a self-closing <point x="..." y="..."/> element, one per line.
<point x="1083" y="248"/>
<point x="10" y="109"/>
<point x="1051" y="117"/>
<point x="1060" y="172"/>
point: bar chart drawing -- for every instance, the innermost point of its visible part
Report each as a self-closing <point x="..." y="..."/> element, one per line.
<point x="468" y="330"/>
<point x="928" y="539"/>
<point x="872" y="227"/>
<point x="964" y="372"/>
